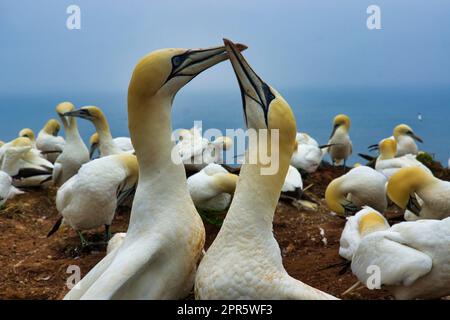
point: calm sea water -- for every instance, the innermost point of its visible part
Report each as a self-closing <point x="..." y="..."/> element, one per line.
<point x="374" y="113"/>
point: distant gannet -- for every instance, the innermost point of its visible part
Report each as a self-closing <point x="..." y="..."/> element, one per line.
<point x="361" y="186"/>
<point x="48" y="141"/>
<point x="308" y="154"/>
<point x="244" y="261"/>
<point x="341" y="147"/>
<point x="433" y="193"/>
<point x="164" y="242"/>
<point x="75" y="153"/>
<point x="123" y="143"/>
<point x="28" y="133"/>
<point x="406" y="140"/>
<point x="7" y="190"/>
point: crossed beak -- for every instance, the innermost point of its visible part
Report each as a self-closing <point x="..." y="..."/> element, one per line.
<point x="80" y="113"/>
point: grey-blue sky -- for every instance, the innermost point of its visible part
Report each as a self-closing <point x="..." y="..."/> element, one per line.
<point x="291" y="43"/>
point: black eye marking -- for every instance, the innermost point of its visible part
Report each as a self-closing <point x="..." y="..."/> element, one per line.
<point x="178" y="60"/>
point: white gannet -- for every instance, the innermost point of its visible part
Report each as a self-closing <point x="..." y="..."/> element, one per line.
<point x="433" y="193"/>
<point x="28" y="133"/>
<point x="212" y="188"/>
<point x="361" y="186"/>
<point x="341" y="147"/>
<point x="308" y="154"/>
<point x="115" y="242"/>
<point x="164" y="242"/>
<point x="48" y="141"/>
<point x="244" y="261"/>
<point x="387" y="164"/>
<point x="411" y="258"/>
<point x="7" y="190"/>
<point x="293" y="184"/>
<point x="107" y="146"/>
<point x="123" y="143"/>
<point x="365" y="220"/>
<point x="75" y="153"/>
<point x="25" y="164"/>
<point x="406" y="140"/>
<point x="89" y="199"/>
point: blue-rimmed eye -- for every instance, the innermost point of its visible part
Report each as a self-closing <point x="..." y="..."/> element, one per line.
<point x="176" y="61"/>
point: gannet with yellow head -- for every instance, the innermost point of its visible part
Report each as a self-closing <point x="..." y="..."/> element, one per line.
<point x="123" y="143"/>
<point x="94" y="114"/>
<point x="406" y="141"/>
<point x="28" y="133"/>
<point x="48" y="141"/>
<point x="433" y="193"/>
<point x="164" y="242"/>
<point x="361" y="186"/>
<point x="75" y="153"/>
<point x="388" y="164"/>
<point x="25" y="164"/>
<point x="341" y="145"/>
<point x="244" y="261"/>
<point x="411" y="258"/>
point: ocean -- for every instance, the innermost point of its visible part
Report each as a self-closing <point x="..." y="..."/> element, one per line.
<point x="373" y="112"/>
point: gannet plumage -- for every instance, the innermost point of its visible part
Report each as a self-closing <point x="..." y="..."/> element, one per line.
<point x="341" y="147"/>
<point x="159" y="255"/>
<point x="28" y="133"/>
<point x="7" y="190"/>
<point x="123" y="143"/>
<point x="75" y="153"/>
<point x="307" y="155"/>
<point x="244" y="261"/>
<point x="361" y="186"/>
<point x="48" y="141"/>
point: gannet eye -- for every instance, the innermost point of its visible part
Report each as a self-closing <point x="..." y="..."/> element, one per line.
<point x="176" y="61"/>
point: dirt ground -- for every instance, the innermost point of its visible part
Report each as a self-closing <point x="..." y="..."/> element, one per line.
<point x="33" y="266"/>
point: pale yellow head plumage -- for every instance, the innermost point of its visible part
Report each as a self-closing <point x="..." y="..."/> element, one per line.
<point x="130" y="163"/>
<point x="64" y="107"/>
<point x="21" y="142"/>
<point x="226" y="182"/>
<point x="405" y="130"/>
<point x="27" y="133"/>
<point x="342" y="120"/>
<point x="52" y="127"/>
<point x="388" y="148"/>
<point x="93" y="140"/>
<point x="371" y="222"/>
<point x="334" y="197"/>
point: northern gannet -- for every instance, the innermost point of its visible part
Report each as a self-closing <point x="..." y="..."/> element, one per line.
<point x="75" y="153"/>
<point x="406" y="140"/>
<point x="341" y="145"/>
<point x="48" y="141"/>
<point x="361" y="186"/>
<point x="387" y="164"/>
<point x="28" y="133"/>
<point x="308" y="154"/>
<point x="25" y="164"/>
<point x="364" y="221"/>
<point x="412" y="259"/>
<point x="7" y="190"/>
<point x="89" y="199"/>
<point x="433" y="193"/>
<point x="107" y="146"/>
<point x="212" y="188"/>
<point x="293" y="183"/>
<point x="124" y="144"/>
<point x="244" y="261"/>
<point x="164" y="242"/>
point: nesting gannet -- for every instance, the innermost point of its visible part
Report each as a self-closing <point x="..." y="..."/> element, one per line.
<point x="159" y="256"/>
<point x="365" y="220"/>
<point x="107" y="146"/>
<point x="244" y="261"/>
<point x="361" y="186"/>
<point x="48" y="141"/>
<point x="75" y="153"/>
<point x="433" y="193"/>
<point x="411" y="258"/>
<point x="387" y="164"/>
<point x="341" y="145"/>
<point x="7" y="190"/>
<point x="212" y="188"/>
<point x="293" y="183"/>
<point x="123" y="143"/>
<point x="89" y="199"/>
<point x="28" y="133"/>
<point x="308" y="154"/>
<point x="406" y="140"/>
<point x="25" y="164"/>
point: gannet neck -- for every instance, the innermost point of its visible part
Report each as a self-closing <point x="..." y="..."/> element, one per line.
<point x="335" y="196"/>
<point x="71" y="129"/>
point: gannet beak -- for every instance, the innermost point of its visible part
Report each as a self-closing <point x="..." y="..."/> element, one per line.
<point x="253" y="88"/>
<point x="194" y="61"/>
<point x="417" y="138"/>
<point x="413" y="205"/>
<point x="334" y="130"/>
<point x="80" y="113"/>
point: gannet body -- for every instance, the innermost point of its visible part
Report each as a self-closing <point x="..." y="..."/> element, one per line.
<point x="244" y="261"/>
<point x="164" y="242"/>
<point x="433" y="193"/>
<point x="75" y="153"/>
<point x="212" y="188"/>
<point x="293" y="181"/>
<point x="413" y="258"/>
<point x="123" y="143"/>
<point x="406" y="140"/>
<point x="388" y="165"/>
<point x="89" y="199"/>
<point x="48" y="141"/>
<point x="365" y="219"/>
<point x="341" y="147"/>
<point x="361" y="186"/>
<point x="7" y="190"/>
<point x="115" y="242"/>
